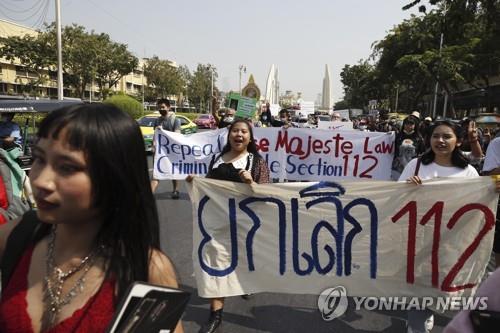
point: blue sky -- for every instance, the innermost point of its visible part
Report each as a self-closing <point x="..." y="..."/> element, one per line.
<point x="299" y="37"/>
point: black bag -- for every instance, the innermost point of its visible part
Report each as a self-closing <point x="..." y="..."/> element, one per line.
<point x="29" y="231"/>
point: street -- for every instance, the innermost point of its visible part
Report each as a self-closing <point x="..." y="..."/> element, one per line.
<point x="266" y="312"/>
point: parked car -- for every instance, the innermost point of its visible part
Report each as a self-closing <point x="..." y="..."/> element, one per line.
<point x="147" y="128"/>
<point x="205" y="121"/>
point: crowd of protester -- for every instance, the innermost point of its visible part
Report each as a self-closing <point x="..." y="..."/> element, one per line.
<point x="424" y="149"/>
<point x="96" y="227"/>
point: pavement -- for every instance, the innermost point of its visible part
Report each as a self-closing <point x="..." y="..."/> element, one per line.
<point x="266" y="312"/>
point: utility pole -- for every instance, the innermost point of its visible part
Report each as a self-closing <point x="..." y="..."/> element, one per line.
<point x="60" y="91"/>
<point x="211" y="89"/>
<point x="397" y="97"/>
<point x="434" y="105"/>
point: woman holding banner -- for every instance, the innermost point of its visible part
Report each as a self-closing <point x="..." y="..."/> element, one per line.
<point x="240" y="162"/>
<point x="443" y="159"/>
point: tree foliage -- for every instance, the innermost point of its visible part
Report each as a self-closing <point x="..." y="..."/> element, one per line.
<point x="87" y="56"/>
<point x="361" y="84"/>
<point x="411" y="60"/>
<point x="199" y="87"/>
<point x="126" y="104"/>
<point x="34" y="53"/>
<point x="164" y="78"/>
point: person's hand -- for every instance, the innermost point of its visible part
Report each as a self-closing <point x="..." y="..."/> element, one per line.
<point x="414" y="180"/>
<point x="472" y="131"/>
<point x="189" y="178"/>
<point x="497" y="182"/>
<point x="245" y="176"/>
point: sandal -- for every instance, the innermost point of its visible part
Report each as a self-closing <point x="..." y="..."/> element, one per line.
<point x="175" y="195"/>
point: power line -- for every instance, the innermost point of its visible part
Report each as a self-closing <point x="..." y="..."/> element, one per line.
<point x="42" y="17"/>
<point x="21" y="10"/>
<point x="129" y="28"/>
<point x="36" y="14"/>
<point x="38" y="10"/>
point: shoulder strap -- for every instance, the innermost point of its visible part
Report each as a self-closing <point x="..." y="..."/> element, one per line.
<point x="19" y="239"/>
<point x="417" y="167"/>
<point x="212" y="162"/>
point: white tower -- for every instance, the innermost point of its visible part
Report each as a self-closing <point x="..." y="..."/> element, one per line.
<point x="326" y="101"/>
<point x="272" y="86"/>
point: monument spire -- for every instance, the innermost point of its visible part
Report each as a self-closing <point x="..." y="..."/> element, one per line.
<point x="272" y="86"/>
<point x="326" y="102"/>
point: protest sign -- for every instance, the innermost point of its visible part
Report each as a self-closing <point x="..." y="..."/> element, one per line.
<point x="245" y="106"/>
<point x="335" y="125"/>
<point x="294" y="153"/>
<point x="376" y="238"/>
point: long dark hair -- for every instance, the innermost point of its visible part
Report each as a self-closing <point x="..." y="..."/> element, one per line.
<point x="251" y="148"/>
<point x="114" y="150"/>
<point x="457" y="157"/>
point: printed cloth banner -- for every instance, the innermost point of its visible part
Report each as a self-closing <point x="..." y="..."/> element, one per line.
<point x="375" y="238"/>
<point x="293" y="154"/>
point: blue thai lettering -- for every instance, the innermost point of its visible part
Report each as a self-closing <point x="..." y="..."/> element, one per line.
<point x="207" y="238"/>
<point x="295" y="243"/>
<point x="256" y="225"/>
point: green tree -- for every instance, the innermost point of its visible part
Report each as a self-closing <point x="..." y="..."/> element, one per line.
<point x="127" y="104"/>
<point x="35" y="53"/>
<point x="341" y="105"/>
<point x="361" y="84"/>
<point x="199" y="87"/>
<point x="79" y="56"/>
<point x="112" y="62"/>
<point x="89" y="57"/>
<point x="164" y="78"/>
<point x="86" y="57"/>
<point x="471" y="30"/>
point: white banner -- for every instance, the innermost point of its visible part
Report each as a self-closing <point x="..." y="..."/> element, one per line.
<point x="335" y="125"/>
<point x="294" y="153"/>
<point x="375" y="238"/>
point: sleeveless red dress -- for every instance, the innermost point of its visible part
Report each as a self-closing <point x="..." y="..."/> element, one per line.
<point x="94" y="316"/>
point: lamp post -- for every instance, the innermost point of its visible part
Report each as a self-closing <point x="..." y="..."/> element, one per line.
<point x="397" y="99"/>
<point x="434" y="105"/>
<point x="211" y="68"/>
<point x="244" y="69"/>
<point x="440" y="48"/>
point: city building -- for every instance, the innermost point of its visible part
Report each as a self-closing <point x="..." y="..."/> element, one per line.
<point x="15" y="79"/>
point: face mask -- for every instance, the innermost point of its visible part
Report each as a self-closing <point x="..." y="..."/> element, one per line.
<point x="283" y="119"/>
<point x="228" y="119"/>
<point x="264" y="117"/>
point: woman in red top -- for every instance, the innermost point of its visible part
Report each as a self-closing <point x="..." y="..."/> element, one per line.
<point x="97" y="225"/>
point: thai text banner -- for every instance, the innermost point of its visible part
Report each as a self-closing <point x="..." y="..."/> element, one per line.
<point x="293" y="154"/>
<point x="376" y="238"/>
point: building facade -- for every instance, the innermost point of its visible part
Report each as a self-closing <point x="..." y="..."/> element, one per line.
<point x="16" y="80"/>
